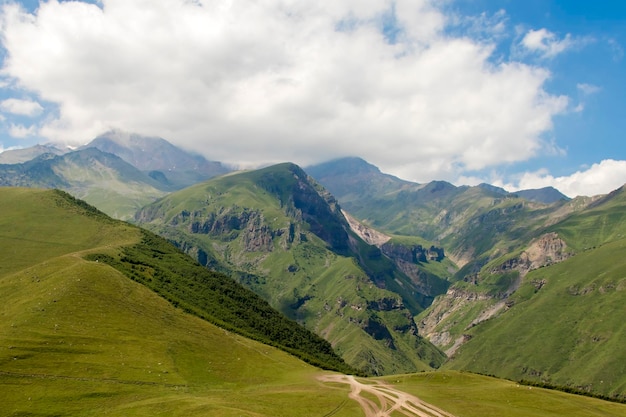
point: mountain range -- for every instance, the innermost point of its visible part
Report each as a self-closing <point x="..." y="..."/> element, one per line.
<point x="117" y="172"/>
<point x="398" y="277"/>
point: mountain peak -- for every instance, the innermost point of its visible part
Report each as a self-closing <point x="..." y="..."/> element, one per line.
<point x="547" y="195"/>
<point x="345" y="178"/>
<point x="18" y="156"/>
<point x="351" y="165"/>
<point x="158" y="156"/>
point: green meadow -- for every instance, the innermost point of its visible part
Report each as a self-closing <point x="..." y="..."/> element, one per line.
<point x="469" y="395"/>
<point x="78" y="337"/>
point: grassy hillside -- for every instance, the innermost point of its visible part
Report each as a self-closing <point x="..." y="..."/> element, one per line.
<point x="78" y="337"/>
<point x="81" y="339"/>
<point x="564" y="324"/>
<point x="103" y="180"/>
<point x="565" y="327"/>
<point x="288" y="241"/>
<point x="216" y="298"/>
<point x="38" y="225"/>
<point x="603" y="221"/>
<point x="469" y="395"/>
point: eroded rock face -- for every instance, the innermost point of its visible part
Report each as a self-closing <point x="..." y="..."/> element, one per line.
<point x="415" y="253"/>
<point x="258" y="236"/>
<point x="371" y="236"/>
<point x="547" y="250"/>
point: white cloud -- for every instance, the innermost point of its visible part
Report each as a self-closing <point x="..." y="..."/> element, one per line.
<point x="588" y="89"/>
<point x="21" y="107"/>
<point x="274" y="80"/>
<point x="546" y="43"/>
<point x="600" y="178"/>
<point x="483" y="26"/>
<point x="21" y="131"/>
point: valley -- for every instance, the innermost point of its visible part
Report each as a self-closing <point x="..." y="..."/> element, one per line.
<point x="257" y="292"/>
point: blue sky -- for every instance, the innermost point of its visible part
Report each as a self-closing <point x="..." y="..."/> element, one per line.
<point x="597" y="132"/>
<point x="520" y="94"/>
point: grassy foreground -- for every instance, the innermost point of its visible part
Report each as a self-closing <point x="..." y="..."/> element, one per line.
<point x="79" y="338"/>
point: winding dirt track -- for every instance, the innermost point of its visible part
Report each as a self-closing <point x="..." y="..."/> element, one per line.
<point x="388" y="399"/>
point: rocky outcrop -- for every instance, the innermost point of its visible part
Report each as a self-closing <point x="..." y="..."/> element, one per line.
<point x="546" y="250"/>
<point x="258" y="237"/>
<point x="369" y="235"/>
<point x="413" y="253"/>
<point x="386" y="304"/>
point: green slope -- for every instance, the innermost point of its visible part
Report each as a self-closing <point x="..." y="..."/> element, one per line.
<point x="566" y="327"/>
<point x="565" y="324"/>
<point x="216" y="298"/>
<point x="78" y="337"/>
<point x="603" y="221"/>
<point x="468" y="395"/>
<point x="101" y="179"/>
<point x="287" y="240"/>
<point x="37" y="225"/>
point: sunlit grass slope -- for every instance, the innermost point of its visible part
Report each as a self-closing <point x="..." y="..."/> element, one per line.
<point x="36" y="225"/>
<point x="565" y="327"/>
<point x="77" y="337"/>
<point x="469" y="395"/>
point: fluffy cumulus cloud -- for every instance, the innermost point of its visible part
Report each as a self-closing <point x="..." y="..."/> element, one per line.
<point x="21" y="107"/>
<point x="260" y="81"/>
<point x="546" y="43"/>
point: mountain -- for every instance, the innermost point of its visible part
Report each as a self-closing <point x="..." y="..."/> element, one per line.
<point x="546" y="195"/>
<point x="100" y="178"/>
<point x="87" y="326"/>
<point x="286" y="238"/>
<point x="562" y="323"/>
<point x="471" y="223"/>
<point x="158" y="158"/>
<point x="538" y="292"/>
<point x="117" y="172"/>
<point x="348" y="178"/>
<point x="18" y="156"/>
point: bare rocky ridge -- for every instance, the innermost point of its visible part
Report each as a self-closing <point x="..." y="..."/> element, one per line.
<point x="369" y="235"/>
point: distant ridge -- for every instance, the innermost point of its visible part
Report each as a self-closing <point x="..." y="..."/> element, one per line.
<point x="117" y="172"/>
<point x="547" y="195"/>
<point x="18" y="156"/>
<point x="158" y="157"/>
<point x="350" y="178"/>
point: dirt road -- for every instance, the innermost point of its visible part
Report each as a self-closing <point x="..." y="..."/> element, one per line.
<point x="388" y="400"/>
